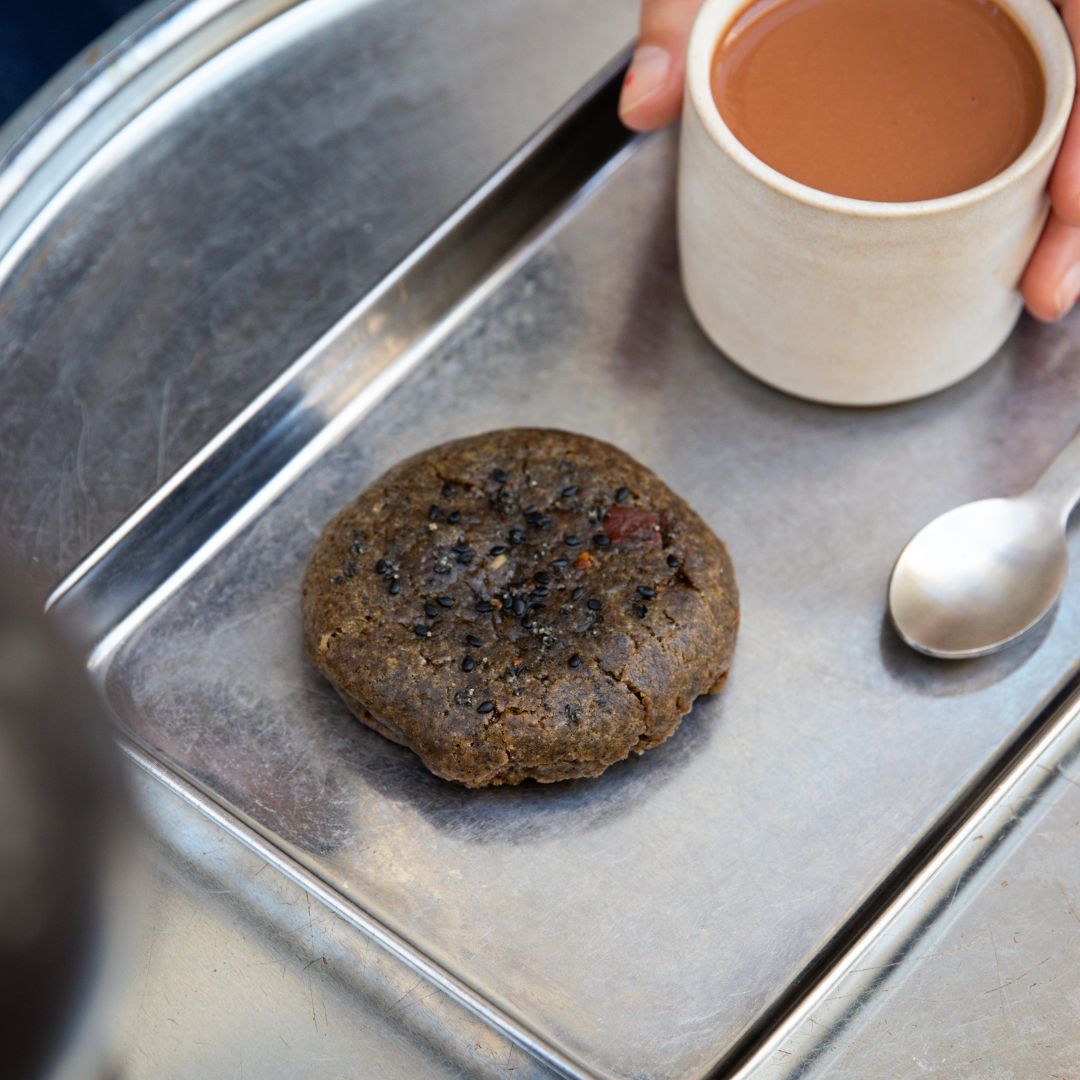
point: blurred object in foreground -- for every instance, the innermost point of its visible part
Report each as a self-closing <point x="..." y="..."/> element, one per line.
<point x="63" y="826"/>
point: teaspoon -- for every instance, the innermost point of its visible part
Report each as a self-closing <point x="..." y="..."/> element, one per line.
<point x="980" y="576"/>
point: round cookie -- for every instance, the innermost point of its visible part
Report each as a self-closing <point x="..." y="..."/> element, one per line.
<point x="523" y="603"/>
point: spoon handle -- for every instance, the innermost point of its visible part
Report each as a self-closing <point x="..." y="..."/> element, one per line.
<point x="1059" y="486"/>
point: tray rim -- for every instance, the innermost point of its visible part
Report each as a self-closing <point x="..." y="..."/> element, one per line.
<point x="752" y="1049"/>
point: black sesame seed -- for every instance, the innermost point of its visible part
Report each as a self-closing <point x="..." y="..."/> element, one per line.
<point x="395" y="587"/>
<point x="486" y="707"/>
<point x="430" y="610"/>
<point x="460" y="546"/>
<point x="382" y="567"/>
<point x="560" y="563"/>
<point x="356" y="548"/>
<point x="337" y="579"/>
<point x="602" y="540"/>
<point x="420" y="630"/>
<point x="531" y="511"/>
<point x="673" y="561"/>
<point x="516" y="536"/>
<point x="641" y="611"/>
<point x="466" y="557"/>
<point x="454" y="517"/>
<point x="578" y="593"/>
<point x="468" y="664"/>
<point x="647" y="591"/>
<point x="447" y="490"/>
<point x="572" y="541"/>
<point x="484" y="607"/>
<point x="498" y="549"/>
<point x="570" y="491"/>
<point x="519" y="606"/>
<point x="541" y="577"/>
<point x="349" y="570"/>
<point x="622" y="494"/>
<point x="499" y="476"/>
<point x="444" y="601"/>
<point x="541" y="591"/>
<point x="473" y="640"/>
<point x="575" y="661"/>
<point x="527" y="623"/>
<point x="594" y="604"/>
<point x="434" y="513"/>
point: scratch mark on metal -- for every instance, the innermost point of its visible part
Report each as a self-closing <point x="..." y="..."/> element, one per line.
<point x="1004" y="999"/>
<point x="162" y="420"/>
<point x="1015" y="978"/>
<point x="1068" y="903"/>
<point x="307" y="973"/>
<point x="952" y="896"/>
<point x="1056" y="771"/>
<point x="404" y="996"/>
<point x="146" y="972"/>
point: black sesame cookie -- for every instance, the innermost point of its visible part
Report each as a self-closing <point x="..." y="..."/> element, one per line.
<point x="524" y="603"/>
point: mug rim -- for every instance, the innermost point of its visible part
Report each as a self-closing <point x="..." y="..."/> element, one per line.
<point x="1040" y="23"/>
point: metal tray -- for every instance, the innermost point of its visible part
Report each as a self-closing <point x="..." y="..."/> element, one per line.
<point x="663" y="920"/>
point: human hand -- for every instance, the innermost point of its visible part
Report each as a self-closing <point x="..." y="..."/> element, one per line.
<point x="652" y="96"/>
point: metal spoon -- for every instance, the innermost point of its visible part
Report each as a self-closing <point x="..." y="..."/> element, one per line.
<point x="980" y="576"/>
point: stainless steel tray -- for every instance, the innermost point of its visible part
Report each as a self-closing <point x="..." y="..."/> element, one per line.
<point x="663" y="920"/>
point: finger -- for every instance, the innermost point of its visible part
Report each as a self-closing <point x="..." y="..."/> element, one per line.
<point x="1065" y="179"/>
<point x="1051" y="281"/>
<point x="652" y="89"/>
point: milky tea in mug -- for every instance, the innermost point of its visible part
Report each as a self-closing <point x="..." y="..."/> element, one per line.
<point x="861" y="183"/>
<point x="888" y="100"/>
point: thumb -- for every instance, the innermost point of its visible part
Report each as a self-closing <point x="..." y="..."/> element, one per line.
<point x="653" y="87"/>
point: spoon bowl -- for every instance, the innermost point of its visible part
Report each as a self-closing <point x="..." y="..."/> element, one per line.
<point x="978" y="577"/>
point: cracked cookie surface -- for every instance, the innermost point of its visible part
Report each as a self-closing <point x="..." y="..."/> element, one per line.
<point x="526" y="603"/>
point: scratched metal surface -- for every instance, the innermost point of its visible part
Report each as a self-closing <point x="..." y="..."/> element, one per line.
<point x="704" y="876"/>
<point x="978" y="976"/>
<point x="241" y="973"/>
<point x="223" y="231"/>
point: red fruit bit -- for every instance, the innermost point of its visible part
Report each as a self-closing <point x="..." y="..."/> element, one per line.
<point x="632" y="523"/>
<point x="584" y="561"/>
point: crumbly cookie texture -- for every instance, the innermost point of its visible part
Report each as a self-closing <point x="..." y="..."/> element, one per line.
<point x="526" y="603"/>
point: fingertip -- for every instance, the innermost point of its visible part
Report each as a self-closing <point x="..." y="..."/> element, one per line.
<point x="1039" y="287"/>
<point x="1040" y="305"/>
<point x="1065" y="192"/>
<point x="1051" y="280"/>
<point x="652" y="89"/>
<point x="648" y="115"/>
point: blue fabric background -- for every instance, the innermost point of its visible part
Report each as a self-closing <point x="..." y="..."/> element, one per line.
<point x="37" y="37"/>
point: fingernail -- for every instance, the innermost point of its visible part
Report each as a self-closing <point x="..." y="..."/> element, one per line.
<point x="647" y="75"/>
<point x="1067" y="290"/>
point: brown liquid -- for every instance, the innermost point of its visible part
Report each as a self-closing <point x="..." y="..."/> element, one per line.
<point x="890" y="100"/>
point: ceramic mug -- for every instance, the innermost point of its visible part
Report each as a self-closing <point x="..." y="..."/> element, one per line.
<point x="844" y="300"/>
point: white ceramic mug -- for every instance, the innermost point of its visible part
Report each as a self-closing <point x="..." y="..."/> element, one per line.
<point x="848" y="301"/>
